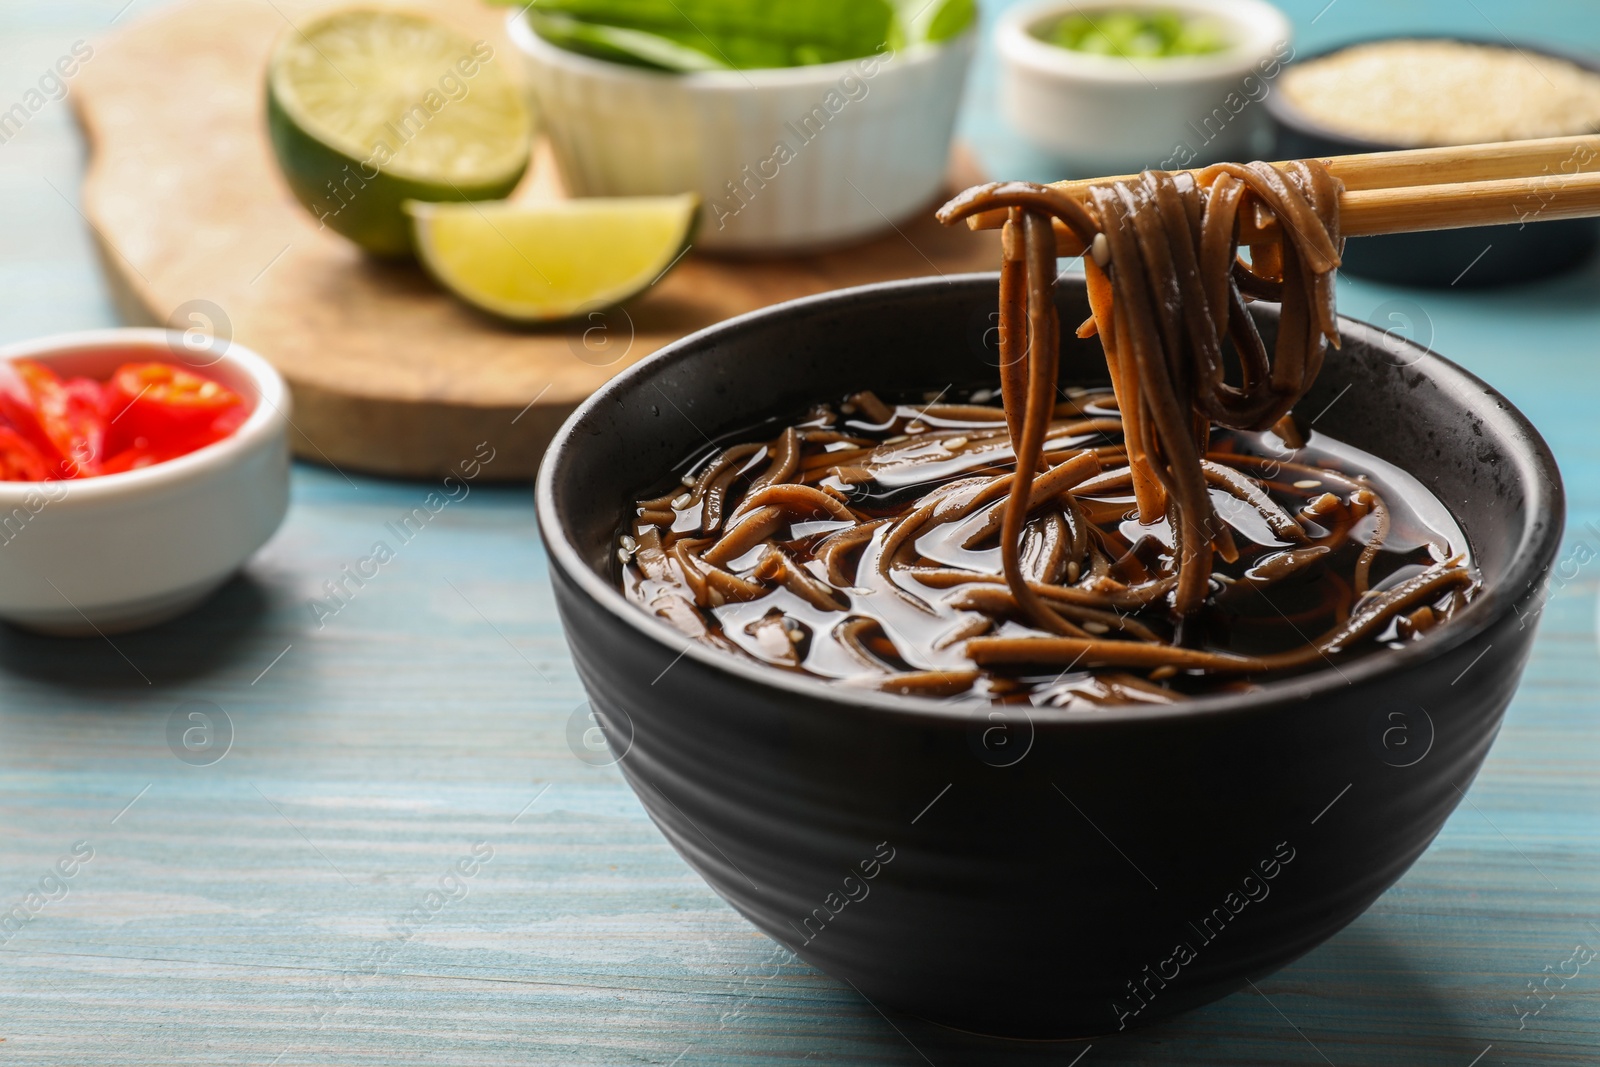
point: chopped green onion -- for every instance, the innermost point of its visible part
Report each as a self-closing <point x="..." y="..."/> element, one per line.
<point x="1136" y="34"/>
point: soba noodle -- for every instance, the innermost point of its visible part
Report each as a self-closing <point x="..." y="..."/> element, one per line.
<point x="1106" y="548"/>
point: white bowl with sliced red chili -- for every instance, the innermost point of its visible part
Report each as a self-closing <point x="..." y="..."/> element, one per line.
<point x="136" y="475"/>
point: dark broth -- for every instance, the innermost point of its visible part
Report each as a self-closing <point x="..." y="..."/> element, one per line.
<point x="904" y="627"/>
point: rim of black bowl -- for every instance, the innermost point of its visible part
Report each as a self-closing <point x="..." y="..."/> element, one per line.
<point x="1286" y="113"/>
<point x="1537" y="543"/>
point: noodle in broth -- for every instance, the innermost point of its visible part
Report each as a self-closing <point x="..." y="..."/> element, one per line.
<point x="1176" y="534"/>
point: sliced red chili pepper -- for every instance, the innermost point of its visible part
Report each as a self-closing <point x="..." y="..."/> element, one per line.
<point x="146" y="414"/>
<point x="66" y="424"/>
<point x="131" y="459"/>
<point x="20" y="461"/>
<point x="169" y="407"/>
<point x="86" y="409"/>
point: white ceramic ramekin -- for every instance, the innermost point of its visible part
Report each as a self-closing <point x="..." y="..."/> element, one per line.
<point x="124" y="551"/>
<point x="784" y="160"/>
<point x="1102" y="115"/>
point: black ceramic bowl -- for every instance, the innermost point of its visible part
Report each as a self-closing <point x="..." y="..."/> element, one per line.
<point x="1060" y="873"/>
<point x="1478" y="256"/>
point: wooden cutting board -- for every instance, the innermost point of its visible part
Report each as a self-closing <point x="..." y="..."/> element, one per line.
<point x="390" y="375"/>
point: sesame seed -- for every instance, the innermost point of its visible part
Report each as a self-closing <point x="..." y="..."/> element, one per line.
<point x="1100" y="249"/>
<point x="1307" y="483"/>
<point x="1097" y="627"/>
<point x="956" y="442"/>
<point x="1444" y="92"/>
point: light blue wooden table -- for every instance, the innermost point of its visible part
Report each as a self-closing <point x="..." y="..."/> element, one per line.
<point x="292" y="902"/>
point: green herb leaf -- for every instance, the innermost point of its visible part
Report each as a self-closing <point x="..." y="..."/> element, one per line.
<point x="738" y="34"/>
<point x="934" y="21"/>
<point x="621" y="45"/>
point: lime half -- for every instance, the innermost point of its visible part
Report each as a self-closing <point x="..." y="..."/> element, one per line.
<point x="547" y="261"/>
<point x="369" y="108"/>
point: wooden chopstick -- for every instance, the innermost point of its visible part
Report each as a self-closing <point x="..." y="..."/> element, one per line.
<point x="1510" y="183"/>
<point x="1466" y="163"/>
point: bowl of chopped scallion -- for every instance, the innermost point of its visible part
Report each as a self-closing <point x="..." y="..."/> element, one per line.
<point x="1114" y="86"/>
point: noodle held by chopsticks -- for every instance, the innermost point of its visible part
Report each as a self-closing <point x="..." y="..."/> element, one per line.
<point x="1174" y="298"/>
<point x="1083" y="533"/>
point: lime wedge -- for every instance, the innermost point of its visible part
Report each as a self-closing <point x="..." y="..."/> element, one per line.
<point x="370" y="108"/>
<point x="547" y="261"/>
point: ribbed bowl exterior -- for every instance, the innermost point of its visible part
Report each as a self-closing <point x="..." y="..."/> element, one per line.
<point x="783" y="160"/>
<point x="1042" y="874"/>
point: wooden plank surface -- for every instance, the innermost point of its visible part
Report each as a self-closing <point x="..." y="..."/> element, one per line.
<point x="390" y="373"/>
<point x="264" y="909"/>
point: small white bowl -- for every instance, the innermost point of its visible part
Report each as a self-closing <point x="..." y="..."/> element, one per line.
<point x="1105" y="115"/>
<point x="123" y="551"/>
<point x="866" y="142"/>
